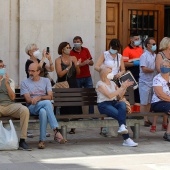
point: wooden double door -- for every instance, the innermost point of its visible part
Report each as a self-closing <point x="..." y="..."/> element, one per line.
<point x="123" y="19"/>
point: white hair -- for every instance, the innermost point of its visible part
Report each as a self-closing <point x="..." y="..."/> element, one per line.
<point x="29" y="47"/>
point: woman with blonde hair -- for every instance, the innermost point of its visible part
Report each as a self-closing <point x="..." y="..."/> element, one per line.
<point x="164" y="53"/>
<point x="161" y="97"/>
<point x="107" y="95"/>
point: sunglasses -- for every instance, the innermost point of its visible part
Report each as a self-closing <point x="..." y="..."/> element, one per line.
<point x="153" y="43"/>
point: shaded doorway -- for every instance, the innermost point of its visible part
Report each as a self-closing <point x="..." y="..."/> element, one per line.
<point x="167" y="22"/>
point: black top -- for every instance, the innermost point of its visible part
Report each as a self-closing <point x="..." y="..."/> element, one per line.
<point x="70" y="76"/>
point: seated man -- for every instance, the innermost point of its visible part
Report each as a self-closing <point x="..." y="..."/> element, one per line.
<point x="9" y="108"/>
<point x="38" y="93"/>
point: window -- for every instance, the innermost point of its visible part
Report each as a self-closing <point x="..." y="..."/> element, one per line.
<point x="144" y="23"/>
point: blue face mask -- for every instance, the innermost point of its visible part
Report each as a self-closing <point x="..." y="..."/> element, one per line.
<point x="2" y="71"/>
<point x="113" y="51"/>
<point x="137" y="43"/>
<point x="153" y="48"/>
<point x="164" y="70"/>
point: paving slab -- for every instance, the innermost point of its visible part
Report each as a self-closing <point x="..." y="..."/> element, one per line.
<point x="87" y="149"/>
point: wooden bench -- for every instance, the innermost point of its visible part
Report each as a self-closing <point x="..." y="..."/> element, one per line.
<point x="84" y="97"/>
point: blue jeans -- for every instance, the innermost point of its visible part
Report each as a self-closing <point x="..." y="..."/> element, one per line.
<point x="161" y="106"/>
<point x="116" y="110"/>
<point x="45" y="112"/>
<point x="86" y="82"/>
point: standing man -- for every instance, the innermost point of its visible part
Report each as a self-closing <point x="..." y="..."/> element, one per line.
<point x="38" y="93"/>
<point x="131" y="55"/>
<point x="84" y="78"/>
<point x="147" y="73"/>
<point x="9" y="108"/>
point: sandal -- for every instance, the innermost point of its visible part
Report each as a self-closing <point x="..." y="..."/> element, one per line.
<point x="153" y="129"/>
<point x="59" y="138"/>
<point x="41" y="145"/>
<point x="72" y="131"/>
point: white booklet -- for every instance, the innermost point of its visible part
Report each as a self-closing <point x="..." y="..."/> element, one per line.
<point x="126" y="76"/>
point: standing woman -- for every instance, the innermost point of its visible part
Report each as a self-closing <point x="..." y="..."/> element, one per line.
<point x="67" y="67"/>
<point x="34" y="53"/>
<point x="163" y="54"/>
<point x="112" y="59"/>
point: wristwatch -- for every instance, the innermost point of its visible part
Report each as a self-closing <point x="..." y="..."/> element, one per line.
<point x="67" y="68"/>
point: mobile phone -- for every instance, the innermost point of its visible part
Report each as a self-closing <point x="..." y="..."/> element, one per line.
<point x="48" y="50"/>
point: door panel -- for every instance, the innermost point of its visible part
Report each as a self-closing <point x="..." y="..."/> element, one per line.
<point x="146" y="20"/>
<point x="111" y="22"/>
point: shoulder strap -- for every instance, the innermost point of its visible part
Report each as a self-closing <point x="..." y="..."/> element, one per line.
<point x="162" y="54"/>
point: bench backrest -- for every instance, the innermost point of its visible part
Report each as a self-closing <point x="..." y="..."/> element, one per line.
<point x="75" y="96"/>
<point x="81" y="96"/>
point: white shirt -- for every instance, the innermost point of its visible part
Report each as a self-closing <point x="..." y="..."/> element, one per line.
<point x="112" y="62"/>
<point x="147" y="59"/>
<point x="160" y="81"/>
<point x="111" y="88"/>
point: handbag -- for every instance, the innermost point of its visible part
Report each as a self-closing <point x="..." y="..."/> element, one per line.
<point x="63" y="84"/>
<point x="8" y="137"/>
<point x="128" y="106"/>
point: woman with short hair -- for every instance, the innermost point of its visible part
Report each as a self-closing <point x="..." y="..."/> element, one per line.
<point x="107" y="99"/>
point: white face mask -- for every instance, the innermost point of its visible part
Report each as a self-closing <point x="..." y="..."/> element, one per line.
<point x="36" y="53"/>
<point x="110" y="76"/>
<point x="67" y="51"/>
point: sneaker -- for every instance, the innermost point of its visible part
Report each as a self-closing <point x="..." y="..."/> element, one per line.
<point x="129" y="142"/>
<point x="122" y="129"/>
<point x="30" y="135"/>
<point x="166" y="137"/>
<point x="24" y="146"/>
<point x="47" y="134"/>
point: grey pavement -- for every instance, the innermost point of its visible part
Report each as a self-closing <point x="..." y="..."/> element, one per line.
<point x="87" y="149"/>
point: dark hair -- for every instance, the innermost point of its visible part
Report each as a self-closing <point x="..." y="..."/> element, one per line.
<point x="147" y="41"/>
<point x="115" y="44"/>
<point x="133" y="34"/>
<point x="39" y="68"/>
<point x="1" y="61"/>
<point x="77" y="38"/>
<point x="61" y="46"/>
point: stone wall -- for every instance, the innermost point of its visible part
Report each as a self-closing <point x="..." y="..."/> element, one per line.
<point x="48" y="23"/>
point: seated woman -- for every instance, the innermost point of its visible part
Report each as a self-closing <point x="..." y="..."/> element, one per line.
<point x="161" y="97"/>
<point x="107" y="95"/>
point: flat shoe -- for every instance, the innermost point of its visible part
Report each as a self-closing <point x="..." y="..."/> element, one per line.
<point x="72" y="132"/>
<point x="147" y="123"/>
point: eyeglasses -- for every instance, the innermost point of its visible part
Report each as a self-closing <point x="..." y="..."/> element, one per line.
<point x="32" y="71"/>
<point x="2" y="66"/>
